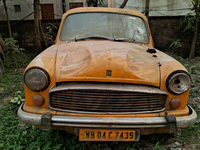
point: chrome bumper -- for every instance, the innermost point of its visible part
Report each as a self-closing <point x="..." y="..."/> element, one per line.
<point x="106" y="122"/>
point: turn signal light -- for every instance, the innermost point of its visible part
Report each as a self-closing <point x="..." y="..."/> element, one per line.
<point x="38" y="100"/>
<point x="175" y="103"/>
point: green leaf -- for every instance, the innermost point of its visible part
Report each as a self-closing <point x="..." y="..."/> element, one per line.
<point x="157" y="146"/>
<point x="194" y="94"/>
<point x="1" y="145"/>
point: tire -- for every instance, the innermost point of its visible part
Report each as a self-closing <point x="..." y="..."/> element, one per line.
<point x="1" y="67"/>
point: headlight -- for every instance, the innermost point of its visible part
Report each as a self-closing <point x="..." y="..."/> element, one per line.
<point x="36" y="79"/>
<point x="178" y="82"/>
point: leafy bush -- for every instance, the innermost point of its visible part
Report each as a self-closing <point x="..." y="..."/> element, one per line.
<point x="11" y="46"/>
<point x="18" y="99"/>
<point x="51" y="33"/>
<point x="190" y="68"/>
<point x="177" y="44"/>
<point x="188" y="25"/>
<point x="187" y="22"/>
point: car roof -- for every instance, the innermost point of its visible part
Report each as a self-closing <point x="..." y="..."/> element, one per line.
<point x="104" y="9"/>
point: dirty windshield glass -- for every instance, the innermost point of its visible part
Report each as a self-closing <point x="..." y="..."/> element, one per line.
<point x="111" y="26"/>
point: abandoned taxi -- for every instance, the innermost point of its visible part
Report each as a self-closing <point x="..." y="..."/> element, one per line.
<point x="103" y="80"/>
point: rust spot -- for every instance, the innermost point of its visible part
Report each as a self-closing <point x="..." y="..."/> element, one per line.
<point x="151" y="50"/>
<point x="109" y="57"/>
<point x="159" y="64"/>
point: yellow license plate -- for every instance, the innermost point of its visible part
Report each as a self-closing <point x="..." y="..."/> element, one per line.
<point x="108" y="135"/>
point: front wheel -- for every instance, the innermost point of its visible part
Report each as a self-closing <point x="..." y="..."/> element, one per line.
<point x="1" y="67"/>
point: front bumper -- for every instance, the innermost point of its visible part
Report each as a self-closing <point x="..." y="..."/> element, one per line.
<point x="46" y="121"/>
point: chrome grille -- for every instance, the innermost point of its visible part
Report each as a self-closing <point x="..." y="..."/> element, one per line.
<point x="107" y="100"/>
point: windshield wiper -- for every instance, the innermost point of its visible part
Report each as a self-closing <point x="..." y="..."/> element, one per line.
<point x="92" y="37"/>
<point x="124" y="40"/>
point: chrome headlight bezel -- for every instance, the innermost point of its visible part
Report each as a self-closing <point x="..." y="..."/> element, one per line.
<point x="178" y="82"/>
<point x="36" y="79"/>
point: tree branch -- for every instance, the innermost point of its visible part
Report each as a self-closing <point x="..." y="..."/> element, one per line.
<point x="123" y="4"/>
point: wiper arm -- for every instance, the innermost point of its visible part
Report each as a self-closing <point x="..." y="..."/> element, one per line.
<point x="91" y="37"/>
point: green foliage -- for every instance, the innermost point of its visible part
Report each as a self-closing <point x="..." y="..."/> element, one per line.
<point x="192" y="131"/>
<point x="17" y="136"/>
<point x="18" y="99"/>
<point x="18" y="60"/>
<point x="51" y="33"/>
<point x="177" y="44"/>
<point x="10" y="82"/>
<point x="134" y="146"/>
<point x="187" y="22"/>
<point x="190" y="68"/>
<point x="158" y="147"/>
<point x="194" y="92"/>
<point x="11" y="47"/>
<point x="188" y="25"/>
<point x="198" y="45"/>
<point x="95" y="3"/>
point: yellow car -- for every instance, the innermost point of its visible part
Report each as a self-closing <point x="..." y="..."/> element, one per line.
<point x="103" y="80"/>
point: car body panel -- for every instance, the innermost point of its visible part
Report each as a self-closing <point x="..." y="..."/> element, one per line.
<point x="79" y="60"/>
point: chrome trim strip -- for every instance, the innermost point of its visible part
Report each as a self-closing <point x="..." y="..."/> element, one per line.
<point x="107" y="122"/>
<point x="108" y="126"/>
<point x="186" y="121"/>
<point x="112" y="87"/>
<point x="29" y="118"/>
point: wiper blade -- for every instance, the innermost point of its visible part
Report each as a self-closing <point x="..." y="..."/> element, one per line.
<point x="124" y="40"/>
<point x="91" y="37"/>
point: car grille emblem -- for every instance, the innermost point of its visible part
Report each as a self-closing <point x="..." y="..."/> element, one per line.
<point x="108" y="72"/>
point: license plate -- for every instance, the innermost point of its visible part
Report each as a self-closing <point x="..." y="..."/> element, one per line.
<point x="108" y="135"/>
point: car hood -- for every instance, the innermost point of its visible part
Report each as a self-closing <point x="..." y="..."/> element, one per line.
<point x="106" y="61"/>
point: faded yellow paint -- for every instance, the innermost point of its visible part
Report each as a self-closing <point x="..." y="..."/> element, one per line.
<point x="75" y="64"/>
<point x="78" y="61"/>
<point x="109" y="57"/>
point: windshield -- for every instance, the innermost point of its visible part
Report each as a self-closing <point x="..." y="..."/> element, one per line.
<point x="104" y="25"/>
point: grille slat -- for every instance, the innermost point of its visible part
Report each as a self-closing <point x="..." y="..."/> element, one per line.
<point x="104" y="98"/>
<point x="103" y="95"/>
<point x="106" y="101"/>
<point x="103" y="104"/>
<point x="111" y="109"/>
